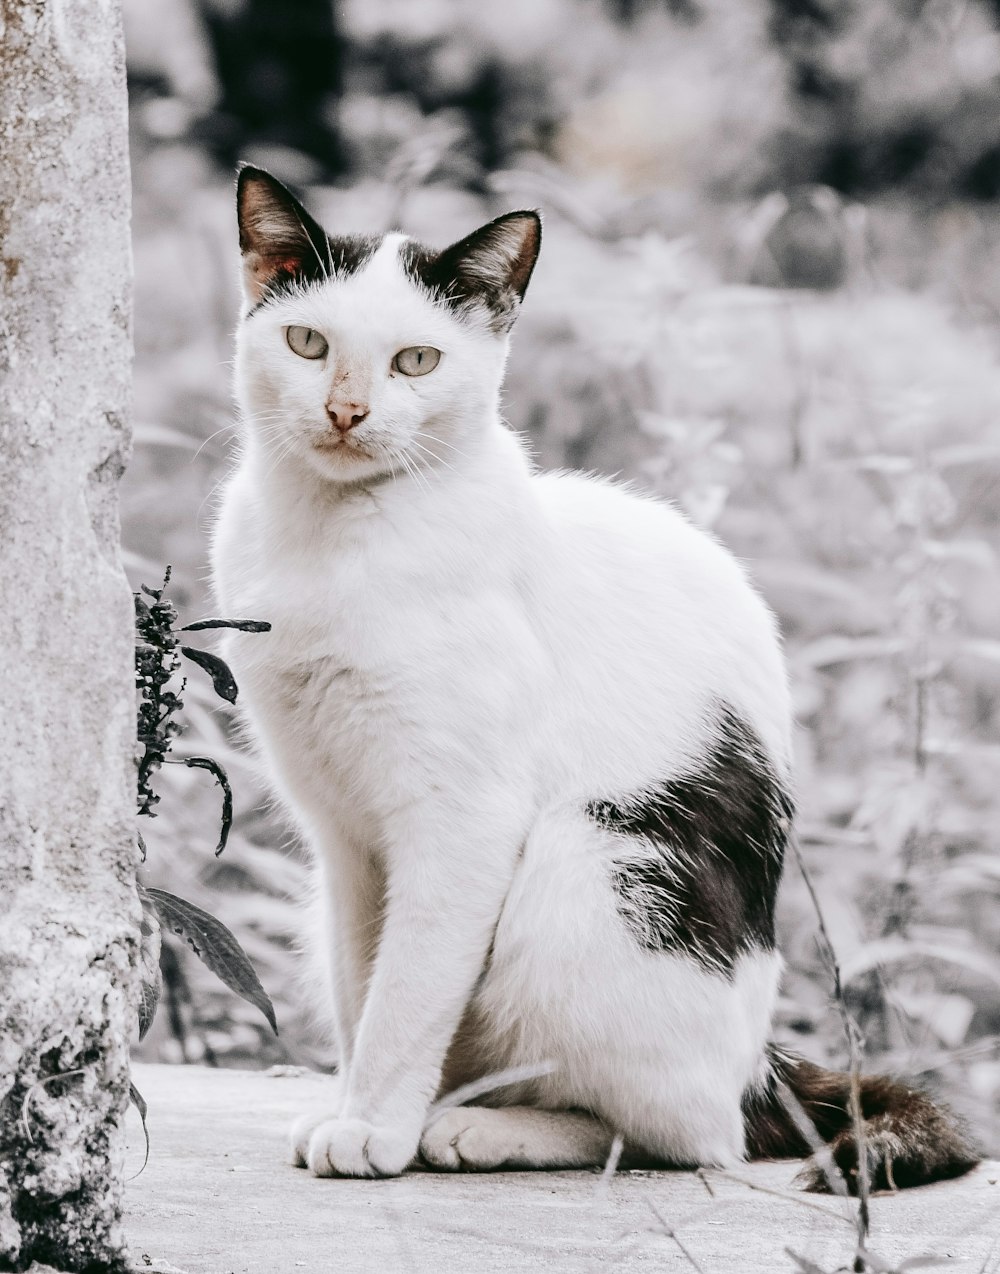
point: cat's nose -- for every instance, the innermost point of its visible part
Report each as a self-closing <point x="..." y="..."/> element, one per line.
<point x="345" y="416"/>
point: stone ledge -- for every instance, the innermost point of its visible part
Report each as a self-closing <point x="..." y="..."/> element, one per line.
<point x="219" y="1197"/>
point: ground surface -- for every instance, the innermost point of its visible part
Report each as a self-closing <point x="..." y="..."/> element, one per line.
<point x="219" y="1196"/>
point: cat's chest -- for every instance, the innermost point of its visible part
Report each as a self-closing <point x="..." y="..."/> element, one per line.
<point x="326" y="713"/>
<point x="368" y="641"/>
<point x="333" y="594"/>
<point x="336" y="691"/>
<point x="394" y="652"/>
<point x="347" y="637"/>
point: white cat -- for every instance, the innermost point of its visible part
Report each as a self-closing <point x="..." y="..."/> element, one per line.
<point x="534" y="727"/>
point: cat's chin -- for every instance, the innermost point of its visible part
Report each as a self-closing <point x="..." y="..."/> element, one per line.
<point x="346" y="462"/>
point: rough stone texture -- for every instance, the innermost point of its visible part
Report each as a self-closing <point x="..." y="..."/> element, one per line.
<point x="68" y="908"/>
<point x="218" y="1197"/>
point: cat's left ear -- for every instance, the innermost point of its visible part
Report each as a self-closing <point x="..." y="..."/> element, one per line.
<point x="278" y="238"/>
<point x="490" y="267"/>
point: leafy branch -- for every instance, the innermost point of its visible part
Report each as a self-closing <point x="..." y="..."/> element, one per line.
<point x="158" y="651"/>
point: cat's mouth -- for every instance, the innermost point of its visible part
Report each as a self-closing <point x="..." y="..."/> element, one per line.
<point x="341" y="444"/>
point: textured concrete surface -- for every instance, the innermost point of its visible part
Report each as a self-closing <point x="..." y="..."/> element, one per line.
<point x="219" y="1196"/>
<point x="68" y="906"/>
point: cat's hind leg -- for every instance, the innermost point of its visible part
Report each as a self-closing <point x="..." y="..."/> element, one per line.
<point x="660" y="1047"/>
<point x="487" y="1139"/>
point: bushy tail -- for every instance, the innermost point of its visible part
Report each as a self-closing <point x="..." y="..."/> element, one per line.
<point x="909" y="1140"/>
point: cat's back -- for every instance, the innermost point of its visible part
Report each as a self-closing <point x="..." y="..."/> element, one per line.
<point x="643" y="548"/>
<point x="659" y="610"/>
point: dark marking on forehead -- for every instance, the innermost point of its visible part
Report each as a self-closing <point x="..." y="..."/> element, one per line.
<point x="352" y="252"/>
<point x="336" y="257"/>
<point x="424" y="267"/>
<point x="487" y="272"/>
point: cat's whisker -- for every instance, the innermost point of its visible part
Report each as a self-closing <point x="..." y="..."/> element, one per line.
<point x="276" y="454"/>
<point x="269" y="428"/>
<point x="407" y="463"/>
<point x="271" y="443"/>
<point x="276" y="414"/>
<point x="420" y="433"/>
<point x="419" y="473"/>
<point x="232" y="426"/>
<point x="219" y="482"/>
<point x="433" y="455"/>
<point x="308" y="237"/>
<point x="330" y="269"/>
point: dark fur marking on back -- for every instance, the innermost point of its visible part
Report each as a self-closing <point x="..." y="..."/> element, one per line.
<point x="909" y="1139"/>
<point x="716" y="842"/>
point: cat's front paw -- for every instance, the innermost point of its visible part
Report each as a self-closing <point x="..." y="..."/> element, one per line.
<point x="300" y="1134"/>
<point x="356" y="1148"/>
<point x="301" y="1131"/>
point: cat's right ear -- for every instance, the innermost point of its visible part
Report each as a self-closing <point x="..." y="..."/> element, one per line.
<point x="278" y="238"/>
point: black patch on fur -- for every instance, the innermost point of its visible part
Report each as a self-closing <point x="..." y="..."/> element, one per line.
<point x="347" y="255"/>
<point x="456" y="276"/>
<point x="295" y="250"/>
<point x="716" y="840"/>
<point x="909" y="1139"/>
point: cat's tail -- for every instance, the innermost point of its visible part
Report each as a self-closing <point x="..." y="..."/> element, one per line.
<point x="909" y="1140"/>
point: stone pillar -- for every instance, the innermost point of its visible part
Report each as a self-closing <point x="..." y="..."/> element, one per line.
<point x="68" y="910"/>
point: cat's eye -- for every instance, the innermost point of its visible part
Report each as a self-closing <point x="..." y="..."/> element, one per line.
<point x="418" y="360"/>
<point x="306" y="342"/>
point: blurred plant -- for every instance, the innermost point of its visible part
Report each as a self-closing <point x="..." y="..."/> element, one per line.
<point x="906" y="798"/>
<point x="890" y="93"/>
<point x="157" y="662"/>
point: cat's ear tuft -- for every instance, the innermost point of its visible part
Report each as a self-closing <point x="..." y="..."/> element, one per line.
<point x="278" y="238"/>
<point x="503" y="253"/>
<point x="493" y="265"/>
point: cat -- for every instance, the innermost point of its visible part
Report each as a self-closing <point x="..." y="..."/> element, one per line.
<point x="535" y="728"/>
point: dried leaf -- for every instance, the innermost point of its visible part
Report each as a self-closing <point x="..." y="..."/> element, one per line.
<point x="216" y="947"/>
<point x="222" y="679"/>
<point x="215" y="769"/>
<point x="150" y="977"/>
<point x="244" y="625"/>
<point x="139" y="1102"/>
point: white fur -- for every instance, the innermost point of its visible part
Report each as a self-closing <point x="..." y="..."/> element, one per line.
<point x="463" y="654"/>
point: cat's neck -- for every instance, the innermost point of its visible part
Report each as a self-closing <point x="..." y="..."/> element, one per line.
<point x="487" y="463"/>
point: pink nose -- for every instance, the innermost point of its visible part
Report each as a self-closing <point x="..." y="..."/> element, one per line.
<point x="345" y="416"/>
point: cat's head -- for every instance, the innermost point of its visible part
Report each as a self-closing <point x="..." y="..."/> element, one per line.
<point x="371" y="355"/>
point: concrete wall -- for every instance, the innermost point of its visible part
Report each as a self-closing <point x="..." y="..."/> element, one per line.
<point x="68" y="909"/>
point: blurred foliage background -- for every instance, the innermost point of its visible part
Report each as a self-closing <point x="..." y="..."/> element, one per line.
<point x="769" y="290"/>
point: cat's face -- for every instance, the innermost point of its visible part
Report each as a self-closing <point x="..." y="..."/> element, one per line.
<point x="367" y="356"/>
